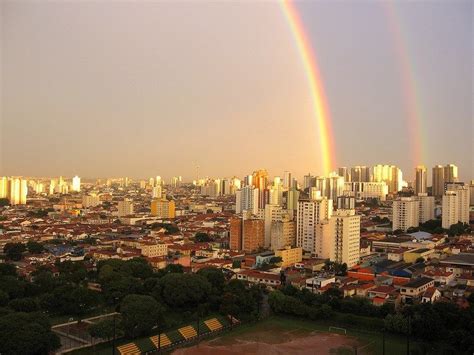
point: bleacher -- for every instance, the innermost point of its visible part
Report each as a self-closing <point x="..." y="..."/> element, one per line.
<point x="213" y="324"/>
<point x="188" y="332"/>
<point x="129" y="349"/>
<point x="164" y="341"/>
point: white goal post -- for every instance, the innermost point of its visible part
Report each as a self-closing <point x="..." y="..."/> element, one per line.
<point x="337" y="329"/>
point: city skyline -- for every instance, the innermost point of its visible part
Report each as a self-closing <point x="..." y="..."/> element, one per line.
<point x="128" y="95"/>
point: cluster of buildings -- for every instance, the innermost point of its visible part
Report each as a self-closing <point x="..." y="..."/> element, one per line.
<point x="261" y="229"/>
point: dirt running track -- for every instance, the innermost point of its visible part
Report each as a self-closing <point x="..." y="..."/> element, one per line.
<point x="274" y="341"/>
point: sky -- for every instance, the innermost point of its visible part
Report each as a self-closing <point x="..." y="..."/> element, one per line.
<point x="144" y="88"/>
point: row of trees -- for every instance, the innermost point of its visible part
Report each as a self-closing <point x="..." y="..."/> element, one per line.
<point x="442" y="321"/>
<point x="14" y="251"/>
<point x="169" y="297"/>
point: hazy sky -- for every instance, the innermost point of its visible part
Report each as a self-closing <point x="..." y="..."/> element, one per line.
<point x="106" y="88"/>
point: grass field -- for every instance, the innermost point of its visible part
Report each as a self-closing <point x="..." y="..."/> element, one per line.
<point x="292" y="335"/>
<point x="285" y="335"/>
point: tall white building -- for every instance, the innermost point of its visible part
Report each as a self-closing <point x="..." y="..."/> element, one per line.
<point x="246" y="199"/>
<point x="273" y="213"/>
<point x="91" y="200"/>
<point x="156" y="191"/>
<point x="3" y="187"/>
<point x="17" y="191"/>
<point x="287" y="180"/>
<point x="420" y="180"/>
<point x="426" y="207"/>
<point x="366" y="190"/>
<point x="405" y="213"/>
<point x="76" y="184"/>
<point x="390" y="174"/>
<point x="455" y="205"/>
<point x="346" y="237"/>
<point x="283" y="232"/>
<point x="310" y="213"/>
<point x="125" y="208"/>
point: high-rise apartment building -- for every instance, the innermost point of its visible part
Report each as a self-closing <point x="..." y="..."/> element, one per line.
<point x="287" y="180"/>
<point x="346" y="203"/>
<point x="310" y="213"/>
<point x="125" y="208"/>
<point x="346" y="237"/>
<point x="405" y="212"/>
<point x="156" y="191"/>
<point x="91" y="200"/>
<point x="471" y="193"/>
<point x="426" y="207"/>
<point x="441" y="176"/>
<point x="455" y="205"/>
<point x="260" y="179"/>
<point x="246" y="234"/>
<point x="437" y="185"/>
<point x="450" y="173"/>
<point x="246" y="199"/>
<point x="360" y="174"/>
<point x="283" y="232"/>
<point x="390" y="174"/>
<point x="3" y="187"/>
<point x="308" y="181"/>
<point x="366" y="190"/>
<point x="76" y="184"/>
<point x="345" y="173"/>
<point x="163" y="208"/>
<point x="420" y="180"/>
<point x="15" y="189"/>
<point x="273" y="213"/>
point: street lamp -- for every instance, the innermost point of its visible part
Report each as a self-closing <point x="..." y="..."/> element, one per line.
<point x="113" y="340"/>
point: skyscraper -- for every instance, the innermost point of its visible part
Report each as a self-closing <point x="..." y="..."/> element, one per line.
<point x="420" y="179"/>
<point x="163" y="208"/>
<point x="310" y="213"/>
<point x="390" y="174"/>
<point x="345" y="173"/>
<point x="455" y="205"/>
<point x="76" y="184"/>
<point x="346" y="237"/>
<point x="405" y="213"/>
<point x="441" y="176"/>
<point x="450" y="173"/>
<point x="287" y="180"/>
<point x="125" y="208"/>
<point x="246" y="199"/>
<point x="437" y="184"/>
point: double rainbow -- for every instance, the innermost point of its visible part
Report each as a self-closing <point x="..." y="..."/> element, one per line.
<point x="318" y="96"/>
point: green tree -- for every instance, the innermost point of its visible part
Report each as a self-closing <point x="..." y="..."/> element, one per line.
<point x="103" y="329"/>
<point x="26" y="305"/>
<point x="183" y="290"/>
<point x="14" y="251"/>
<point x="3" y="298"/>
<point x="34" y="247"/>
<point x="202" y="237"/>
<point x="26" y="333"/>
<point x="4" y="202"/>
<point x="7" y="269"/>
<point x="140" y="314"/>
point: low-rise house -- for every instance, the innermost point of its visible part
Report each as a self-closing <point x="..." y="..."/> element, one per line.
<point x="412" y="256"/>
<point x="431" y="295"/>
<point x="439" y="276"/>
<point x="258" y="277"/>
<point x="315" y="283"/>
<point x="413" y="290"/>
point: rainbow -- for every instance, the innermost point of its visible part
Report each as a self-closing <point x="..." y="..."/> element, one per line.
<point x="408" y="82"/>
<point x="318" y="97"/>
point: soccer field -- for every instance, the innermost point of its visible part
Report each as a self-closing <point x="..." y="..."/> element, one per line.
<point x="277" y="335"/>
